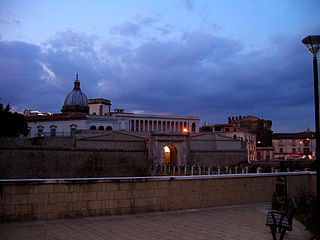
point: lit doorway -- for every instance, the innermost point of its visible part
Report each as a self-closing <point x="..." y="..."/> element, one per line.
<point x="170" y="155"/>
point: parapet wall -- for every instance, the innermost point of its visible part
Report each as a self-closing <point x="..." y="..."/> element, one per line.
<point x="67" y="198"/>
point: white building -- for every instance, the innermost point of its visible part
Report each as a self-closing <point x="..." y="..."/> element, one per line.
<point x="79" y="113"/>
<point x="301" y="145"/>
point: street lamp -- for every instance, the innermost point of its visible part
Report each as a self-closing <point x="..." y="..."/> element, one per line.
<point x="312" y="43"/>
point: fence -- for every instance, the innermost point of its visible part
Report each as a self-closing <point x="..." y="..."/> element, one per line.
<point x="185" y="170"/>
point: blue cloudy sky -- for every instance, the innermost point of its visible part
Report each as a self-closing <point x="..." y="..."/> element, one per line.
<point x="211" y="59"/>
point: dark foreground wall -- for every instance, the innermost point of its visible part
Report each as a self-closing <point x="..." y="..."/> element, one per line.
<point x="67" y="198"/>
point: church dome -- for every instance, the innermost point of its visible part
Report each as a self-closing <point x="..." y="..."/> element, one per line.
<point x="76" y="100"/>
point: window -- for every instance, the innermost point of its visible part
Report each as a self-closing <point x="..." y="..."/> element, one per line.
<point x="281" y="150"/>
<point x="281" y="142"/>
<point x="101" y="128"/>
<point x="73" y="128"/>
<point x="53" y="130"/>
<point x="258" y="155"/>
<point x="93" y="127"/>
<point x="293" y="150"/>
<point x="267" y="155"/>
<point x="293" y="142"/>
<point x="40" y="132"/>
<point x="226" y="129"/>
<point x="306" y="151"/>
<point x="234" y="136"/>
<point x="72" y="131"/>
<point x="109" y="128"/>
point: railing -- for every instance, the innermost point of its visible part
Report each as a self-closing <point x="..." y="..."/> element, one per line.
<point x="192" y="170"/>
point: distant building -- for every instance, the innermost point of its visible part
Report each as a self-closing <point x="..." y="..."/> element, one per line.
<point x="27" y="112"/>
<point x="262" y="129"/>
<point x="235" y="132"/>
<point x="81" y="114"/>
<point x="294" y="145"/>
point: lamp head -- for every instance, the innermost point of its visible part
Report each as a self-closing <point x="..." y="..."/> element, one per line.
<point x="312" y="43"/>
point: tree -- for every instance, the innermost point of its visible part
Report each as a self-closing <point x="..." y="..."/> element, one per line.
<point x="12" y="124"/>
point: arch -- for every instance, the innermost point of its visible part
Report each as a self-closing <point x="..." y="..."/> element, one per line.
<point x="93" y="127"/>
<point x="100" y="128"/>
<point x="109" y="128"/>
<point x="170" y="154"/>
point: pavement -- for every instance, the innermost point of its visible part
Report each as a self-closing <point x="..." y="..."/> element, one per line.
<point x="230" y="222"/>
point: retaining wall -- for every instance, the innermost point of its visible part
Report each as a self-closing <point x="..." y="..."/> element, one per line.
<point x="67" y="198"/>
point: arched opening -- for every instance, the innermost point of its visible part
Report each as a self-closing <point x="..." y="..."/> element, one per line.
<point x="170" y="155"/>
<point x="109" y="128"/>
<point x="93" y="127"/>
<point x="101" y="128"/>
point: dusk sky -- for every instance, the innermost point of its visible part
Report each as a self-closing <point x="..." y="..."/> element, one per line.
<point x="210" y="59"/>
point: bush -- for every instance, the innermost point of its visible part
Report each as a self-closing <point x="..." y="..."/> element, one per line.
<point x="306" y="211"/>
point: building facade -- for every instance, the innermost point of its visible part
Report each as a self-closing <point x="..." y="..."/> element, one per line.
<point x="301" y="145"/>
<point x="262" y="129"/>
<point x="81" y="114"/>
<point x="235" y="132"/>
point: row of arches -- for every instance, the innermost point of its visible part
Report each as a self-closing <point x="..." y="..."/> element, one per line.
<point x="101" y="128"/>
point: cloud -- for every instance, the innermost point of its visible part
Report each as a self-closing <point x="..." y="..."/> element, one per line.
<point x="127" y="29"/>
<point x="166" y="29"/>
<point x="188" y="4"/>
<point x="198" y="74"/>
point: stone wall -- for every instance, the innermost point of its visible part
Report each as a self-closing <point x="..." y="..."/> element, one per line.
<point x="218" y="158"/>
<point x="68" y="198"/>
<point x="215" y="150"/>
<point x="104" y="155"/>
<point x="36" y="162"/>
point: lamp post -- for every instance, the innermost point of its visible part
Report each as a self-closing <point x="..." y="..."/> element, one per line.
<point x="312" y="43"/>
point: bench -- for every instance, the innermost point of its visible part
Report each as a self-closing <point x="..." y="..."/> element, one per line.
<point x="281" y="220"/>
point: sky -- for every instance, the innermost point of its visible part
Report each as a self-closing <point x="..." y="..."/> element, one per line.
<point x="207" y="58"/>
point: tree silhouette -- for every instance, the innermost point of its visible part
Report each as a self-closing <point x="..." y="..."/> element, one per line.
<point x="12" y="124"/>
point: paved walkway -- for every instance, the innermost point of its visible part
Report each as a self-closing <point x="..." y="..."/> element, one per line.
<point x="232" y="222"/>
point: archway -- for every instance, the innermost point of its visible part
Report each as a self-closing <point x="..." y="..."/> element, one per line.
<point x="170" y="155"/>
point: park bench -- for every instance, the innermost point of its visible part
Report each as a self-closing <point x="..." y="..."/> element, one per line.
<point x="281" y="220"/>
